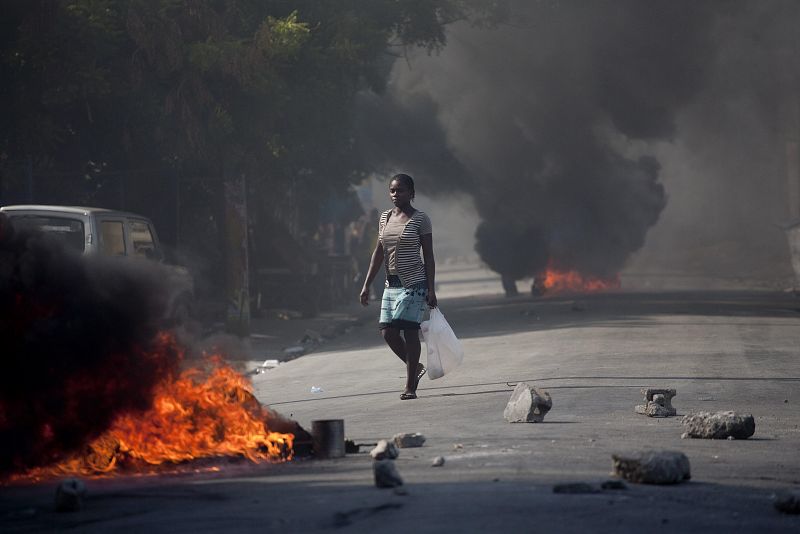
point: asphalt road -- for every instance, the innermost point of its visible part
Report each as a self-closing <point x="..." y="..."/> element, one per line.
<point x="720" y="350"/>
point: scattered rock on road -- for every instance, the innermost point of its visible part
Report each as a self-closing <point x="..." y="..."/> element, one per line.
<point x="405" y="441"/>
<point x="719" y="425"/>
<point x="69" y="495"/>
<point x="385" y="450"/>
<point x="438" y="461"/>
<point x="788" y="502"/>
<point x="652" y="467"/>
<point x="386" y="475"/>
<point x="658" y="402"/>
<point x="527" y="404"/>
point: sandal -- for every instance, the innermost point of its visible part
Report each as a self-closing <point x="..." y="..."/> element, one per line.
<point x="408" y="396"/>
<point x="420" y="372"/>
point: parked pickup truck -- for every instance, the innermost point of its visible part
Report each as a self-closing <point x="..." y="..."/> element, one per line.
<point x="111" y="233"/>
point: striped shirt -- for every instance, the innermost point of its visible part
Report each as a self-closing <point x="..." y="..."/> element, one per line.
<point x="407" y="262"/>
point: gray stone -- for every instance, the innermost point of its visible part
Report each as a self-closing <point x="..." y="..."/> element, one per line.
<point x="575" y="487"/>
<point x="386" y="475"/>
<point x="438" y="461"/>
<point x="385" y="450"/>
<point x="788" y="502"/>
<point x="406" y="441"/>
<point x="652" y="467"/>
<point x="719" y="425"/>
<point x="658" y="402"/>
<point x="69" y="495"/>
<point x="527" y="404"/>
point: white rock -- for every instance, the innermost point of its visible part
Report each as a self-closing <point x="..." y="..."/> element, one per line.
<point x="385" y="450"/>
<point x="527" y="404"/>
<point x="652" y="467"/>
<point x="405" y="441"/>
<point x="386" y="475"/>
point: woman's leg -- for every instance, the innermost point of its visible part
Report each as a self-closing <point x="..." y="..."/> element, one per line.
<point x="395" y="342"/>
<point x="413" y="350"/>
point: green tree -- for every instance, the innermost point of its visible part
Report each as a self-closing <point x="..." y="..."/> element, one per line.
<point x="216" y="88"/>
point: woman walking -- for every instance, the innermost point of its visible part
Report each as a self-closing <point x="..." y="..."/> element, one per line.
<point x="409" y="287"/>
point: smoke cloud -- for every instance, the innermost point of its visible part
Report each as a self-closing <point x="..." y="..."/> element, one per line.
<point x="76" y="337"/>
<point x="567" y="123"/>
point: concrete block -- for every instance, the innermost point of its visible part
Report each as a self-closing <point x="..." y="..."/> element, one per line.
<point x="385" y="450"/>
<point x="405" y="441"/>
<point x="719" y="425"/>
<point x="386" y="475"/>
<point x="527" y="404"/>
<point x="652" y="467"/>
<point x="658" y="402"/>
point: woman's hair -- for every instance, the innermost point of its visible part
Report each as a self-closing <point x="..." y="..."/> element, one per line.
<point x="406" y="180"/>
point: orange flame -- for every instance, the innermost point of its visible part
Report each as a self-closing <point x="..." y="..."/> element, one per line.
<point x="199" y="414"/>
<point x="556" y="281"/>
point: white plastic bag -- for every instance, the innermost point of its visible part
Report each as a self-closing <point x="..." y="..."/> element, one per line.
<point x="444" y="349"/>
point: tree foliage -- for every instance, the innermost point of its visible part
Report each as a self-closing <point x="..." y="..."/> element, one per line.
<point x="265" y="86"/>
<point x="207" y="90"/>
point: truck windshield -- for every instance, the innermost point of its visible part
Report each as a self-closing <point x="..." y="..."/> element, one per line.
<point x="68" y="231"/>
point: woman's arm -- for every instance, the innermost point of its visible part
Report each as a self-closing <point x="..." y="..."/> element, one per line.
<point x="375" y="263"/>
<point x="430" y="268"/>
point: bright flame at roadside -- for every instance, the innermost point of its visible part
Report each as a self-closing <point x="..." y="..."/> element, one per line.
<point x="556" y="281"/>
<point x="202" y="413"/>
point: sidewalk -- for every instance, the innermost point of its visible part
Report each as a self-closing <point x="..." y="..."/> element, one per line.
<point x="283" y="335"/>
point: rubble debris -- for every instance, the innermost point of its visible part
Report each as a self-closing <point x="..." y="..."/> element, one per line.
<point x="613" y="484"/>
<point x="527" y="404"/>
<point x="458" y="447"/>
<point x="652" y="467"/>
<point x="575" y="488"/>
<point x="788" y="502"/>
<point x="719" y="425"/>
<point x="266" y="366"/>
<point x="406" y="441"/>
<point x="69" y="495"/>
<point x="386" y="475"/>
<point x="438" y="461"/>
<point x="385" y="450"/>
<point x="658" y="402"/>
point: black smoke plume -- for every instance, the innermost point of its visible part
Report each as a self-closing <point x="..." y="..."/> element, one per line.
<point x="76" y="336"/>
<point x="540" y="120"/>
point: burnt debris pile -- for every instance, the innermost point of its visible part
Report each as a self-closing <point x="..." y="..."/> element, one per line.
<point x="76" y="336"/>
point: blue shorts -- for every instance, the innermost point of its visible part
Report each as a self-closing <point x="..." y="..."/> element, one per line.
<point x="403" y="307"/>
